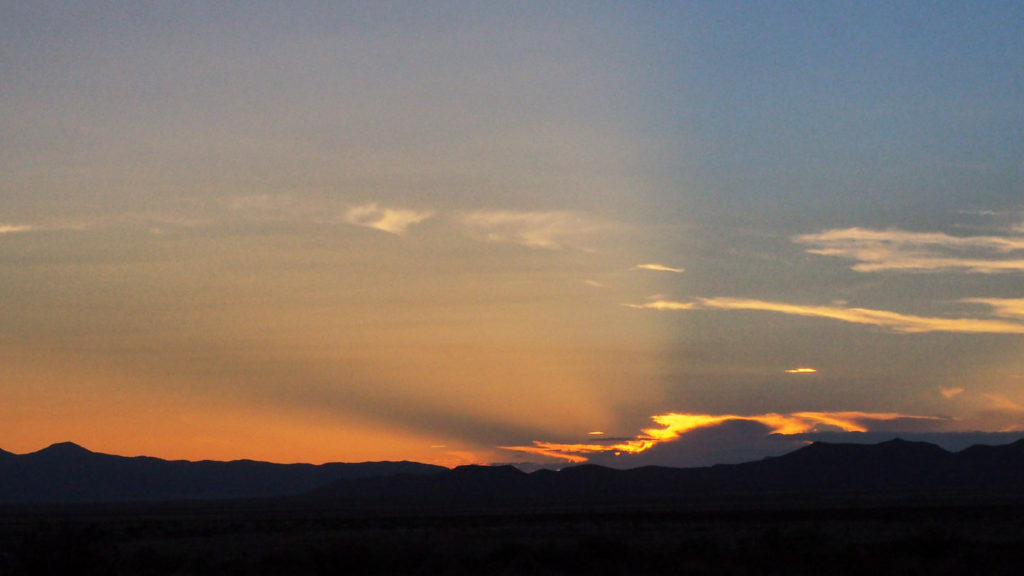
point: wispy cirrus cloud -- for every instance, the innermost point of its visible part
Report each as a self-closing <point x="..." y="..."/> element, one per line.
<point x="1002" y="403"/>
<point x="552" y="230"/>
<point x="52" y="226"/>
<point x="656" y="267"/>
<point x="667" y="305"/>
<point x="904" y="323"/>
<point x="15" y="228"/>
<point x="1003" y="307"/>
<point x="901" y="250"/>
<point x="391" y="220"/>
<point x="325" y="209"/>
<point x="263" y="203"/>
<point x="673" y="426"/>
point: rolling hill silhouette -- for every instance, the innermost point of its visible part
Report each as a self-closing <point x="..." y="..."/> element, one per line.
<point x="67" y="472"/>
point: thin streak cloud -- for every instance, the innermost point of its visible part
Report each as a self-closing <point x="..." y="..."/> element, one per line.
<point x="656" y="267"/>
<point x="1002" y="403"/>
<point x="900" y="250"/>
<point x="14" y="228"/>
<point x="903" y="323"/>
<point x="666" y="305"/>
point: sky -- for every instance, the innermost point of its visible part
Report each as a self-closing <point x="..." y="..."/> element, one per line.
<point x="623" y="233"/>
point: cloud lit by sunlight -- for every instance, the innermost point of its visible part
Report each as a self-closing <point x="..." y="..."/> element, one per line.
<point x="948" y="393"/>
<point x="801" y="371"/>
<point x="878" y="250"/>
<point x="894" y="321"/>
<point x="551" y="230"/>
<point x="14" y="228"/>
<point x="999" y="402"/>
<point x="666" y="305"/>
<point x="674" y="425"/>
<point x="1003" y="307"/>
<point x="394" y="221"/>
<point x="654" y="266"/>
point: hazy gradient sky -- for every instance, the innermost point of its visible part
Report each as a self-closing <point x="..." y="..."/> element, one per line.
<point x="683" y="233"/>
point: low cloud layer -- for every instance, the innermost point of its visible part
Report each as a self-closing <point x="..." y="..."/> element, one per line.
<point x="674" y="426"/>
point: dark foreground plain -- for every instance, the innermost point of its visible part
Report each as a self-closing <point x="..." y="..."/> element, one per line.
<point x="765" y="536"/>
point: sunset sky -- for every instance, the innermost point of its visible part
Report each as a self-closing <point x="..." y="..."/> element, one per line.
<point x="625" y="233"/>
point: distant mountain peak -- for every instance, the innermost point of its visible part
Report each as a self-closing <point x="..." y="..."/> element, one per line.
<point x="900" y="448"/>
<point x="65" y="448"/>
<point x="901" y="443"/>
<point x="67" y="472"/>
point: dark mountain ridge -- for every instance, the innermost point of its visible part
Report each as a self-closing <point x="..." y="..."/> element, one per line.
<point x="66" y="472"/>
<point x="69" y="473"/>
<point x="896" y="468"/>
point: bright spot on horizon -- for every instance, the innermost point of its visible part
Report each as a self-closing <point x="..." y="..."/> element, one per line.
<point x="801" y="371"/>
<point x="595" y="433"/>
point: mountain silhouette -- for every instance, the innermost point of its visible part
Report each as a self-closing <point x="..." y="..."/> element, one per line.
<point x="890" y="469"/>
<point x="893" y="465"/>
<point x="62" y="450"/>
<point x="67" y="472"/>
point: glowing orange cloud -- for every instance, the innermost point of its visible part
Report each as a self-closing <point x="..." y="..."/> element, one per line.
<point x="673" y="425"/>
<point x="801" y="371"/>
<point x="950" y="392"/>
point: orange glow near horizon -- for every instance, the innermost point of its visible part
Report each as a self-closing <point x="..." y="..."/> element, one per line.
<point x="101" y="411"/>
<point x="674" y="425"/>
